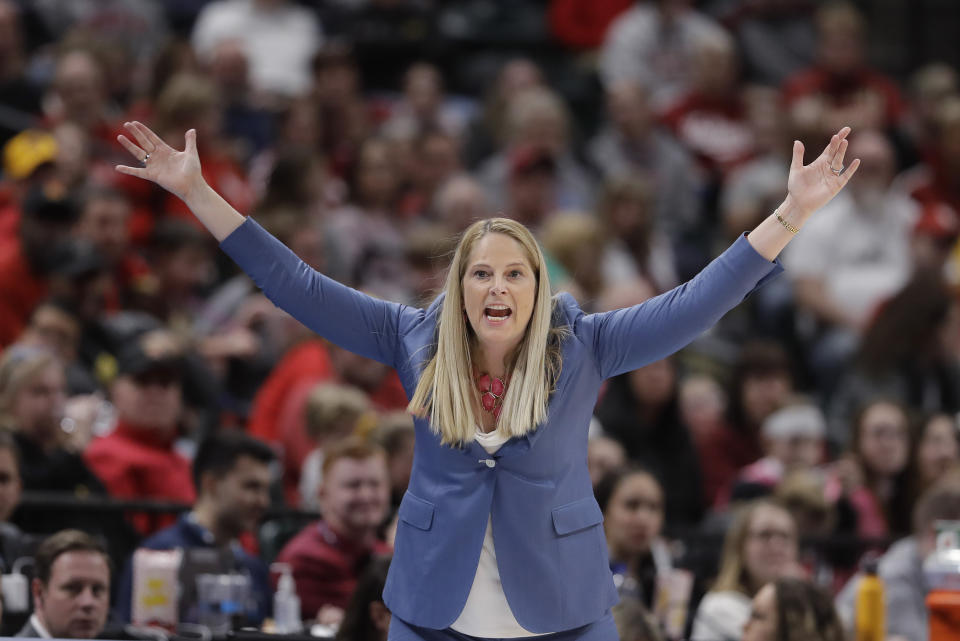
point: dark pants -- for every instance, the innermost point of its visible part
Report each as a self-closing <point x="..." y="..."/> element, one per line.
<point x="600" y="630"/>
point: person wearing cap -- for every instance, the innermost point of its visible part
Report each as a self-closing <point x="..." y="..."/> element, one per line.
<point x="26" y="263"/>
<point x="793" y="439"/>
<point x="27" y="152"/>
<point x="138" y="460"/>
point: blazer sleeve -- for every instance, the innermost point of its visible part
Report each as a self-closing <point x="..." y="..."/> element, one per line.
<point x="626" y="339"/>
<point x="355" y="321"/>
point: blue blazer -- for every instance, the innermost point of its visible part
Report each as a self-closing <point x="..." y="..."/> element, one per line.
<point x="547" y="527"/>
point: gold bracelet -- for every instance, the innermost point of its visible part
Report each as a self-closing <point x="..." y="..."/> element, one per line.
<point x="789" y="227"/>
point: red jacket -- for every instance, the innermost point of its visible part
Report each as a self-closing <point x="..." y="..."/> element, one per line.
<point x="134" y="463"/>
<point x="20" y="292"/>
<point x="326" y="566"/>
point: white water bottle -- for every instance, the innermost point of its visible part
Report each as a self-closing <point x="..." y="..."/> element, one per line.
<point x="286" y="603"/>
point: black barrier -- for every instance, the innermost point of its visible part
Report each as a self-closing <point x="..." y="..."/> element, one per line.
<point x="108" y="505"/>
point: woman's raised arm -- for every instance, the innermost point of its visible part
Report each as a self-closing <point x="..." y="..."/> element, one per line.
<point x="179" y="173"/>
<point x="353" y="320"/>
<point x="809" y="187"/>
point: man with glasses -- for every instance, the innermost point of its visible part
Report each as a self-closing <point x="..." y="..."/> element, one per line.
<point x="138" y="460"/>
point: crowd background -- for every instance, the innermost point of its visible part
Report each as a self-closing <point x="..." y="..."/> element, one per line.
<point x="637" y="140"/>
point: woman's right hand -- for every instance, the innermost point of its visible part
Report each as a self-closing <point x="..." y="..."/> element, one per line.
<point x="176" y="171"/>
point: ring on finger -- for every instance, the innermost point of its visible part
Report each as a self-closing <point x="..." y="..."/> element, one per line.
<point x="836" y="172"/>
<point x="146" y="157"/>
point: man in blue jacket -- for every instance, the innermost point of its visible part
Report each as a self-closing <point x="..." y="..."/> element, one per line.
<point x="232" y="477"/>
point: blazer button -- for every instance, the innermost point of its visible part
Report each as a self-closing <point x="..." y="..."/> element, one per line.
<point x="489" y="462"/>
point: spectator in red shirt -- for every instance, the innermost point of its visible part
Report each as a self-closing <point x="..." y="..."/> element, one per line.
<point x="79" y="95"/>
<point x="761" y="383"/>
<point x="191" y="101"/>
<point x="26" y="264"/>
<point x="103" y="221"/>
<point x="711" y="119"/>
<point x="377" y="380"/>
<point x="840" y="87"/>
<point x="277" y="413"/>
<point x="138" y="460"/>
<point x="937" y="179"/>
<point x="328" y="556"/>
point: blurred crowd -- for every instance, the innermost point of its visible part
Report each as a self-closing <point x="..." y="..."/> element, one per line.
<point x="816" y="424"/>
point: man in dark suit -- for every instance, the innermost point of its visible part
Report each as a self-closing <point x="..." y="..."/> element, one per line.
<point x="71" y="590"/>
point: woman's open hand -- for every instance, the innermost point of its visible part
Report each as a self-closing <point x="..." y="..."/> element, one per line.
<point x="812" y="186"/>
<point x="176" y="171"/>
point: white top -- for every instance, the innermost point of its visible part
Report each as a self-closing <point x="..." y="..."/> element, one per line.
<point x="860" y="252"/>
<point x="721" y="615"/>
<point x="487" y="613"/>
<point x="39" y="627"/>
<point x="280" y="41"/>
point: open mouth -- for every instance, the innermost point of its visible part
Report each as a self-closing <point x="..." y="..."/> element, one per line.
<point x="497" y="313"/>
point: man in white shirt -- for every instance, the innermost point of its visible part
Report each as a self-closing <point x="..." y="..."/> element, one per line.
<point x="71" y="590"/>
<point x="854" y="256"/>
<point x="279" y="37"/>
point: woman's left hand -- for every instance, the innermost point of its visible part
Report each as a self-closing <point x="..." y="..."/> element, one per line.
<point x="812" y="186"/>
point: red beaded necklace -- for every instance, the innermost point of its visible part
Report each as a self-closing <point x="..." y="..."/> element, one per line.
<point x="492" y="389"/>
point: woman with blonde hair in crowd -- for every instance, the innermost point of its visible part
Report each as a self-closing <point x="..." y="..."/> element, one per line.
<point x="760" y="547"/>
<point x="32" y="407"/>
<point x="499" y="534"/>
<point x="333" y="412"/>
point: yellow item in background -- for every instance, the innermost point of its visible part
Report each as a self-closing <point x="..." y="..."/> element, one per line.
<point x="870" y="612"/>
<point x="26" y="151"/>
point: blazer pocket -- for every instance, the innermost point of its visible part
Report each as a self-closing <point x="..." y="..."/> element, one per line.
<point x="416" y="511"/>
<point x="575" y="516"/>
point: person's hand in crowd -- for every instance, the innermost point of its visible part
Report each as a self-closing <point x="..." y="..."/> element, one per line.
<point x="237" y="342"/>
<point x="176" y="171"/>
<point x="81" y="414"/>
<point x="849" y="474"/>
<point x="812" y="186"/>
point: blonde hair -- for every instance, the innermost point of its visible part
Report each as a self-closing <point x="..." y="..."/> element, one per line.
<point x="183" y="97"/>
<point x="330" y="405"/>
<point x="20" y="365"/>
<point x="733" y="571"/>
<point x="576" y="240"/>
<point x="446" y="389"/>
<point x="566" y="233"/>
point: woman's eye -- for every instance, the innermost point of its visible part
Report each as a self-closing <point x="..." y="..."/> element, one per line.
<point x="516" y="273"/>
<point x="480" y="273"/>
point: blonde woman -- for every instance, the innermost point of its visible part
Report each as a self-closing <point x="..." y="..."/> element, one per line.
<point x="760" y="547"/>
<point x="499" y="534"/>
